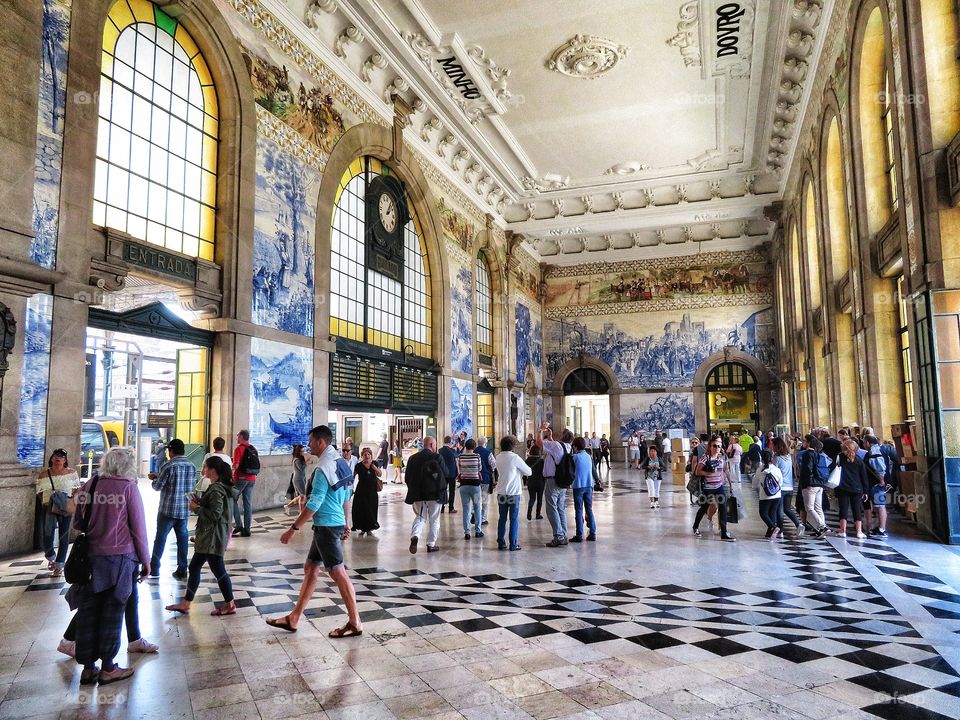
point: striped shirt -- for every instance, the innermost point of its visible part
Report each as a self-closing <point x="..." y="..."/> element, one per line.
<point x="468" y="468"/>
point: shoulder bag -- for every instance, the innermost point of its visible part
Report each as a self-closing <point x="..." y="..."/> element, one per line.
<point x="77" y="569"/>
<point x="60" y="502"/>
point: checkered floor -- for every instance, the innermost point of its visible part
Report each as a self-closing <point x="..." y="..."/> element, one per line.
<point x="649" y="622"/>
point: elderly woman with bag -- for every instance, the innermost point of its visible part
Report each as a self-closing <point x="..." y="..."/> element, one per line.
<point x="55" y="486"/>
<point x="110" y="516"/>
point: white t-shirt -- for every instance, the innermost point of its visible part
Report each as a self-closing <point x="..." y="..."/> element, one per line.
<point x="511" y="468"/>
<point x="204" y="483"/>
<point x="633" y="441"/>
<point x="665" y="444"/>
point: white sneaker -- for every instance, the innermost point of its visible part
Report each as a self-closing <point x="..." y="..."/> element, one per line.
<point x="142" y="646"/>
<point x="653" y="506"/>
<point x="67" y="647"/>
<point x="657" y="504"/>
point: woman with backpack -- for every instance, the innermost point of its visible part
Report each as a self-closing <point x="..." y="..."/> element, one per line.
<point x="213" y="534"/>
<point x="535" y="483"/>
<point x="814" y="472"/>
<point x="784" y="461"/>
<point x="767" y="481"/>
<point x="853" y="489"/>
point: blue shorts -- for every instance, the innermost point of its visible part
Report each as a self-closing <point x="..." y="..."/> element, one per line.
<point x="326" y="547"/>
<point x="878" y="495"/>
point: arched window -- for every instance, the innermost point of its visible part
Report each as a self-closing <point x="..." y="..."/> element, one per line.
<point x="875" y="123"/>
<point x="795" y="274"/>
<point x="484" y="303"/>
<point x="585" y="381"/>
<point x="886" y="120"/>
<point x="366" y="305"/>
<point x="157" y="135"/>
<point x="837" y="203"/>
<point x="812" y="242"/>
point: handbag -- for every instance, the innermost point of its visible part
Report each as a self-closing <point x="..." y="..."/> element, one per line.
<point x="379" y="484"/>
<point x="834" y="480"/>
<point x="60" y="502"/>
<point x="693" y="485"/>
<point x="77" y="569"/>
<point x="733" y="510"/>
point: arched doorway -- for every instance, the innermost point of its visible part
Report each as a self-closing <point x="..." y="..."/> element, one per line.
<point x="586" y="401"/>
<point x="731" y="396"/>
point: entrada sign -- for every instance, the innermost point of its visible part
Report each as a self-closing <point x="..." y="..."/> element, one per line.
<point x="159" y="260"/>
<point x="459" y="77"/>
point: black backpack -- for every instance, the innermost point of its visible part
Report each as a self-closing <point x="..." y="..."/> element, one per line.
<point x="566" y="469"/>
<point x="434" y="477"/>
<point x="250" y="462"/>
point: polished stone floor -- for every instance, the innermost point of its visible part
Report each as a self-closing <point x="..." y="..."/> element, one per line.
<point x="648" y="622"/>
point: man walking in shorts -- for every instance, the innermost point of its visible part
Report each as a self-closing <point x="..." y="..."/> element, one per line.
<point x="329" y="498"/>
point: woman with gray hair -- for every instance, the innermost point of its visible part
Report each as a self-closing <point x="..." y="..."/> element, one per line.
<point x="111" y="506"/>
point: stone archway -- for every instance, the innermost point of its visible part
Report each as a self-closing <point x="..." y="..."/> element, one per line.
<point x="613" y="384"/>
<point x="766" y="387"/>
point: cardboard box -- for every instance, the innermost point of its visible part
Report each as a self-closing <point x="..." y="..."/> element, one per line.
<point x="677" y="445"/>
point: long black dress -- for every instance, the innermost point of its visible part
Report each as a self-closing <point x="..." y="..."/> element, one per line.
<point x="365" y="499"/>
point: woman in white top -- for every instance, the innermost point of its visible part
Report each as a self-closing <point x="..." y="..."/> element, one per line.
<point x="512" y="469"/>
<point x="57" y="478"/>
<point x="734" y="453"/>
<point x="767" y="481"/>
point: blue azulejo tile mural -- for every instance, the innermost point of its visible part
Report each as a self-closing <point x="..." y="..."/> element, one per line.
<point x="32" y="425"/>
<point x="529" y="339"/>
<point x="281" y="395"/>
<point x="461" y="339"/>
<point x="283" y="243"/>
<point x="461" y="406"/>
<point x="649" y="413"/>
<point x="54" y="41"/>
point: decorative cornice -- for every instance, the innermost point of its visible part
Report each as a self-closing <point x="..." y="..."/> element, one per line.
<point x="687" y="39"/>
<point x="717" y="258"/>
<point x="277" y="33"/>
<point x="688" y="302"/>
<point x="271" y="127"/>
<point x="439" y="180"/>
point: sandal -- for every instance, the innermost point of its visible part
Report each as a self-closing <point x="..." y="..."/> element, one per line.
<point x="229" y="608"/>
<point x="178" y="607"/>
<point x="348" y="630"/>
<point x="282" y="623"/>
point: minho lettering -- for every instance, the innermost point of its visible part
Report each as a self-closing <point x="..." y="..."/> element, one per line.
<point x="458" y="75"/>
<point x="728" y="29"/>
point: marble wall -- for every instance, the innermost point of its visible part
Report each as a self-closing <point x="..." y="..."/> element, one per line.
<point x="54" y="43"/>
<point x="32" y="425"/>
<point x="283" y="240"/>
<point x="281" y="395"/>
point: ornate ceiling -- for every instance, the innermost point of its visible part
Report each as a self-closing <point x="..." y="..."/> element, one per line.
<point x="622" y="128"/>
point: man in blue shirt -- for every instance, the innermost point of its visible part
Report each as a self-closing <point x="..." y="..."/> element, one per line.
<point x="448" y="457"/>
<point x="175" y="480"/>
<point x="487" y="466"/>
<point x="328" y="507"/>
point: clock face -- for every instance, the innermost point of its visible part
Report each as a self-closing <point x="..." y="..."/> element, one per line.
<point x="388" y="212"/>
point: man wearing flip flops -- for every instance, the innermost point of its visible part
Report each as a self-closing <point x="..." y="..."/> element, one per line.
<point x="329" y="495"/>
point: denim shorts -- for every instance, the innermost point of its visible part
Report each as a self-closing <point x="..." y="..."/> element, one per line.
<point x="326" y="547"/>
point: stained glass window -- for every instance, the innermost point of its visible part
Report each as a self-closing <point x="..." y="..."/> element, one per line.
<point x="365" y="305"/>
<point x="157" y="135"/>
<point x="484" y="303"/>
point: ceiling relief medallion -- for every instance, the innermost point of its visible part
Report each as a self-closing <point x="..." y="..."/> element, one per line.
<point x="471" y="79"/>
<point x="627" y="168"/>
<point x="586" y="57"/>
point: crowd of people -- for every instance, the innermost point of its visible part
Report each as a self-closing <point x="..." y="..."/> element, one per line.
<point x="792" y="476"/>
